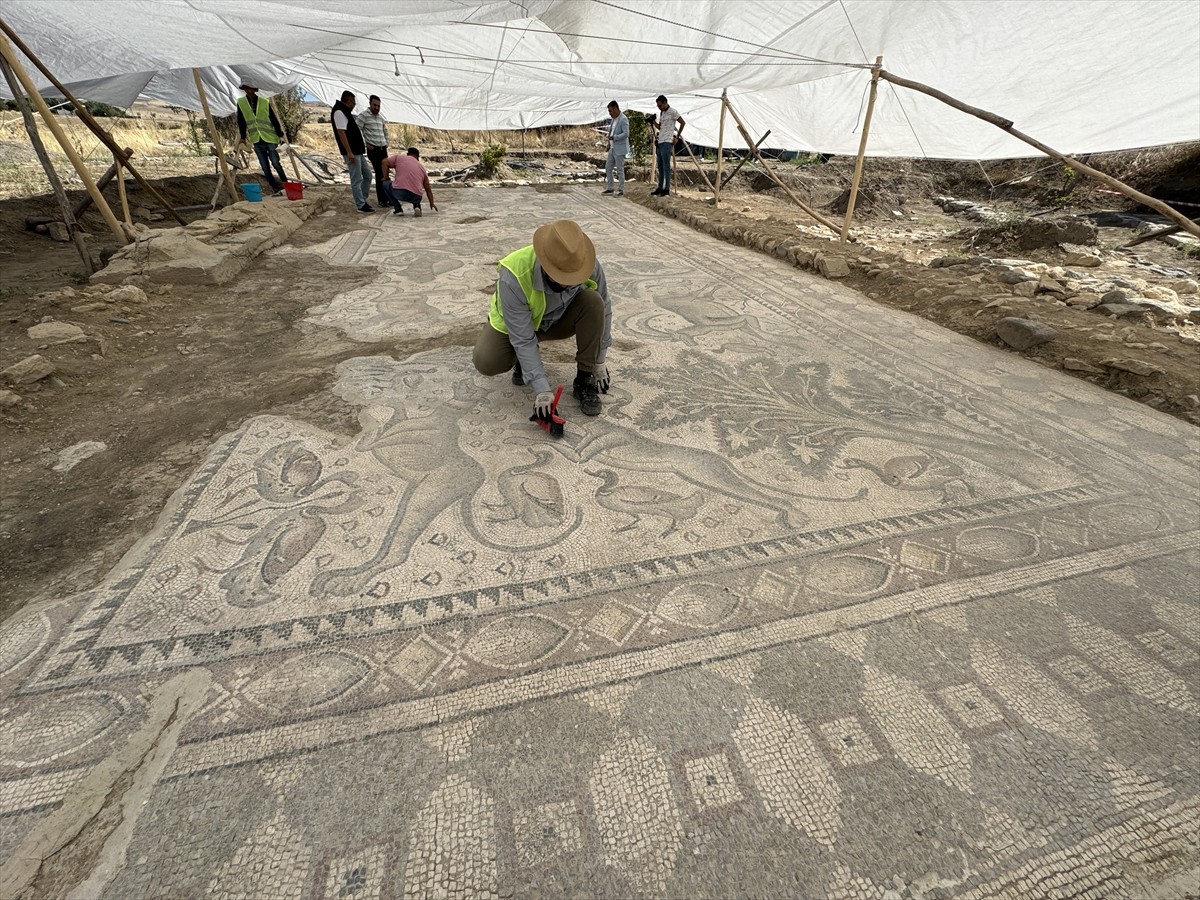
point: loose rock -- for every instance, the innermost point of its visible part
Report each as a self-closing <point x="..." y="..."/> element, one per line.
<point x="27" y="371"/>
<point x="77" y="453"/>
<point x="1135" y="366"/>
<point x="57" y="333"/>
<point x="1022" y="334"/>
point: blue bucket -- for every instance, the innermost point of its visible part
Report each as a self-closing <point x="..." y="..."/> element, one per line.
<point x="253" y="192"/>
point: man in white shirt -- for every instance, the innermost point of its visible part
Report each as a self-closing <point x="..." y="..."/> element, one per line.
<point x="374" y="131"/>
<point x="670" y="126"/>
<point x="350" y="142"/>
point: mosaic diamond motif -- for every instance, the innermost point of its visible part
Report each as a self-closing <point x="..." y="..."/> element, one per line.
<point x="927" y="559"/>
<point x="418" y="660"/>
<point x="547" y="832"/>
<point x="1079" y="675"/>
<point x="710" y="782"/>
<point x="969" y="705"/>
<point x="848" y="742"/>
<point x="614" y="622"/>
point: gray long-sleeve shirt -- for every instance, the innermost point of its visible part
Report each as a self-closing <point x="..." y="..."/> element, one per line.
<point x="619" y="135"/>
<point x="519" y="320"/>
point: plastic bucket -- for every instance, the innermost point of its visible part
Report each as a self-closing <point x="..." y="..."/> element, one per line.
<point x="294" y="190"/>
<point x="253" y="192"/>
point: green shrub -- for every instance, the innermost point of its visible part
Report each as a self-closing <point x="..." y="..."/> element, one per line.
<point x="490" y="158"/>
<point x="639" y="135"/>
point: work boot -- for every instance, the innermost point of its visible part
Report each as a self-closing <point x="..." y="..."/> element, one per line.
<point x="584" y="389"/>
<point x="518" y="378"/>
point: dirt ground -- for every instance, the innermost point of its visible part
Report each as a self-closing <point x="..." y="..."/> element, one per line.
<point x="158" y="381"/>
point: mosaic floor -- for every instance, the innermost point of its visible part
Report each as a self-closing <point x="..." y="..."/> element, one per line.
<point x="826" y="603"/>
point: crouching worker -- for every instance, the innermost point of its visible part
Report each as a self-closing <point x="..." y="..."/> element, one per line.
<point x="549" y="291"/>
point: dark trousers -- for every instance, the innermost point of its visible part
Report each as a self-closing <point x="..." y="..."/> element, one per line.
<point x="663" y="152"/>
<point x="377" y="155"/>
<point x="395" y="195"/>
<point x="268" y="155"/>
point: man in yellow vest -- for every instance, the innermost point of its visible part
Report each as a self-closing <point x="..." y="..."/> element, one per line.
<point x="551" y="290"/>
<point x="257" y="125"/>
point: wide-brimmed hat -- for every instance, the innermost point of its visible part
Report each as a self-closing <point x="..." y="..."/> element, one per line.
<point x="246" y="85"/>
<point x="567" y="254"/>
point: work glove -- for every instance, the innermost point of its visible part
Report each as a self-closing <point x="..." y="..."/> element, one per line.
<point x="542" y="404"/>
<point x="603" y="378"/>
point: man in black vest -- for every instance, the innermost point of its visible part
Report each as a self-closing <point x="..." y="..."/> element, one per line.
<point x="354" y="149"/>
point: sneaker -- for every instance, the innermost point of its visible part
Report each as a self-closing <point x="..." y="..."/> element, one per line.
<point x="366" y="207"/>
<point x="584" y="389"/>
<point x="620" y="193"/>
<point x="277" y="194"/>
<point x="417" y="212"/>
<point x="609" y="191"/>
<point x="397" y="212"/>
<point x="517" y="378"/>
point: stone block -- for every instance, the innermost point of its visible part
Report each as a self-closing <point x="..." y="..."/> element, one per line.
<point x="1120" y="310"/>
<point x="832" y="266"/>
<point x="1022" y="334"/>
<point x="57" y="333"/>
<point x="30" y="369"/>
<point x="1134" y="366"/>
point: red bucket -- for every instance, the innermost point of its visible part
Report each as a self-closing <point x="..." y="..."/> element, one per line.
<point x="294" y="190"/>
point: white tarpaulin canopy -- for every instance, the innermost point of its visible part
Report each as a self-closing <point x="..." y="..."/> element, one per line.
<point x="1080" y="75"/>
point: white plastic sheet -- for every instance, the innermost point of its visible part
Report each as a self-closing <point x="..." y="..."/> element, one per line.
<point x="1080" y="75"/>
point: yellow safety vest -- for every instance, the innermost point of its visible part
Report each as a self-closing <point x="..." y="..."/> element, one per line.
<point x="258" y="121"/>
<point x="521" y="263"/>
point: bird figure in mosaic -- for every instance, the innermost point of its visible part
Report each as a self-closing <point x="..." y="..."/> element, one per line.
<point x="536" y="498"/>
<point x="638" y="500"/>
<point x="921" y="472"/>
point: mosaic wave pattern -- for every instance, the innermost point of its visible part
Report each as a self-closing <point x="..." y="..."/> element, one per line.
<point x="827" y="602"/>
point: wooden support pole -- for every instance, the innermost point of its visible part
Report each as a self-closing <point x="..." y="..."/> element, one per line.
<point x="771" y="174"/>
<point x="699" y="168"/>
<point x="88" y="120"/>
<point x="121" y="194"/>
<point x="216" y="138"/>
<point x="284" y="137"/>
<point x="86" y="202"/>
<point x="48" y="117"/>
<point x="720" y="147"/>
<point x="1161" y="233"/>
<point x="862" y="148"/>
<point x="56" y="186"/>
<point x="1007" y="125"/>
<point x="749" y="155"/>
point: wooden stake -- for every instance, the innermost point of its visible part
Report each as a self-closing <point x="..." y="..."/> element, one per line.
<point x="1161" y="233"/>
<point x="720" y="148"/>
<point x="88" y="120"/>
<point x="862" y="148"/>
<point x="48" y="117"/>
<point x="771" y="174"/>
<point x="1007" y="125"/>
<point x="121" y="194"/>
<point x="216" y="138"/>
<point x="699" y="168"/>
<point x="746" y="158"/>
<point x="39" y="148"/>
